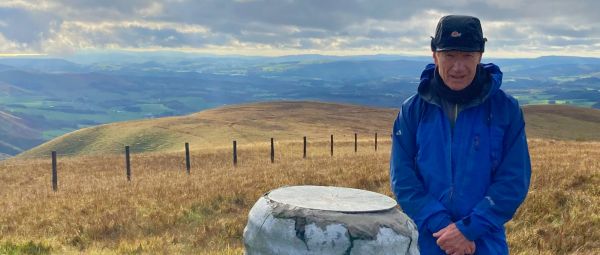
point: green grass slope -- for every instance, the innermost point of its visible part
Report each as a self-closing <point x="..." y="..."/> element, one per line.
<point x="285" y="121"/>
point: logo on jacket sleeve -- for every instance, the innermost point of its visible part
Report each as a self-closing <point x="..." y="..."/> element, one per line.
<point x="399" y="132"/>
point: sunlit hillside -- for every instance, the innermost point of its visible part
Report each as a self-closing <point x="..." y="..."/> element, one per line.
<point x="247" y="124"/>
<point x="284" y="121"/>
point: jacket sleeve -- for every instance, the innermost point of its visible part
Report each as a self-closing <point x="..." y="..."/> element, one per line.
<point x="510" y="183"/>
<point x="406" y="184"/>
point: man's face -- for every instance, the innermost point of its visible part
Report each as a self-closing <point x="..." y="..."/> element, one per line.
<point x="457" y="68"/>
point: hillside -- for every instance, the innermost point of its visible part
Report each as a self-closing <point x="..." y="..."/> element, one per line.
<point x="248" y="124"/>
<point x="17" y="134"/>
<point x="562" y="122"/>
<point x="285" y="121"/>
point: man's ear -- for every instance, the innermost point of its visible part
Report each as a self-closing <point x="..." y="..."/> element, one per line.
<point x="435" y="60"/>
<point x="480" y="57"/>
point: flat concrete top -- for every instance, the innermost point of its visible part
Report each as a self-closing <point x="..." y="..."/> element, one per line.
<point x="329" y="198"/>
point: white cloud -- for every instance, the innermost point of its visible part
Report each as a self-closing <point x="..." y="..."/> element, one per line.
<point x="323" y="26"/>
<point x="153" y="10"/>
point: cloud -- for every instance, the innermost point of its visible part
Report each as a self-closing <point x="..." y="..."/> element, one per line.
<point x="62" y="26"/>
<point x="27" y="28"/>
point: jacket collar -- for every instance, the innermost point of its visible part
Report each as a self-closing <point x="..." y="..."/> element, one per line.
<point x="489" y="88"/>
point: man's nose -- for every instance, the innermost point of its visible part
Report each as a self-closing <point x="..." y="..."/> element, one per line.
<point x="458" y="67"/>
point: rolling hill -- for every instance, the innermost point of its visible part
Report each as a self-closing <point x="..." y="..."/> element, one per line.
<point x="287" y="120"/>
<point x="247" y="124"/>
<point x="562" y="122"/>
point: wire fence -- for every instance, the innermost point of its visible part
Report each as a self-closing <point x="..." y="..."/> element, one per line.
<point x="127" y="152"/>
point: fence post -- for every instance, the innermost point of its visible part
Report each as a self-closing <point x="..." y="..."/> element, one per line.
<point x="272" y="151"/>
<point x="54" y="174"/>
<point x="187" y="158"/>
<point x="234" y="153"/>
<point x="127" y="163"/>
<point x="355" y="142"/>
<point x="304" y="151"/>
<point x="332" y="145"/>
<point x="375" y="141"/>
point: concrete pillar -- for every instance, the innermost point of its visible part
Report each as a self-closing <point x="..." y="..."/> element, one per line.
<point x="328" y="220"/>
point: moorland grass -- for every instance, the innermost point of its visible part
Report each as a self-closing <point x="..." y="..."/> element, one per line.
<point x="163" y="210"/>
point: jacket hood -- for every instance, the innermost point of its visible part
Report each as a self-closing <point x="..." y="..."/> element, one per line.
<point x="490" y="88"/>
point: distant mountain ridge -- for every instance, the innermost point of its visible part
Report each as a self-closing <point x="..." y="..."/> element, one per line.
<point x="284" y="121"/>
<point x="43" y="64"/>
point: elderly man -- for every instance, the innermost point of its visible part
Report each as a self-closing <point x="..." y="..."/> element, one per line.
<point x="460" y="165"/>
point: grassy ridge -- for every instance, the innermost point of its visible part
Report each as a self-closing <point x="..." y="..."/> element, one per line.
<point x="248" y="124"/>
<point x="562" y="122"/>
<point x="285" y="121"/>
<point x="96" y="211"/>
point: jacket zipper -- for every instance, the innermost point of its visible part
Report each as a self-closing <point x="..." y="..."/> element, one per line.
<point x="451" y="157"/>
<point x="455" y="114"/>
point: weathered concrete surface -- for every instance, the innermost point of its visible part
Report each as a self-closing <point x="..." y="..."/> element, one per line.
<point x="279" y="228"/>
<point x="336" y="199"/>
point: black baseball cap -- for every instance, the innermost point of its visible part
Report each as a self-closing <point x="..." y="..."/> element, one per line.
<point x="458" y="32"/>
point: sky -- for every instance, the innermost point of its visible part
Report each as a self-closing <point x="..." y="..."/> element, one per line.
<point x="514" y="28"/>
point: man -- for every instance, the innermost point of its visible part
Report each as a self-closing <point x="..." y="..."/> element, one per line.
<point x="460" y="165"/>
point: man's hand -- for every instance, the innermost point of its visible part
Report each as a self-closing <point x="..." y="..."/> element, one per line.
<point x="453" y="242"/>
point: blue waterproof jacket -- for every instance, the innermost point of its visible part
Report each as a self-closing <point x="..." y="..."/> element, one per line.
<point x="476" y="174"/>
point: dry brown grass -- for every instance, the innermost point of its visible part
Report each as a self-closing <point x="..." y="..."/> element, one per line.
<point x="162" y="210"/>
<point x="248" y="124"/>
<point x="562" y="122"/>
<point x="561" y="214"/>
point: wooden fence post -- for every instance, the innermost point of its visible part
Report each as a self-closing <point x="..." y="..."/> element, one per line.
<point x="332" y="145"/>
<point x="304" y="151"/>
<point x="355" y="142"/>
<point x="187" y="158"/>
<point x="375" y="141"/>
<point x="272" y="151"/>
<point x="127" y="163"/>
<point x="234" y="153"/>
<point x="54" y="173"/>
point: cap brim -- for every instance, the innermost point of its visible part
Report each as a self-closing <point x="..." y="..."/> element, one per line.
<point x="460" y="49"/>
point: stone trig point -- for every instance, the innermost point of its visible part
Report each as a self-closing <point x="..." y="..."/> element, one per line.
<point x="328" y="220"/>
